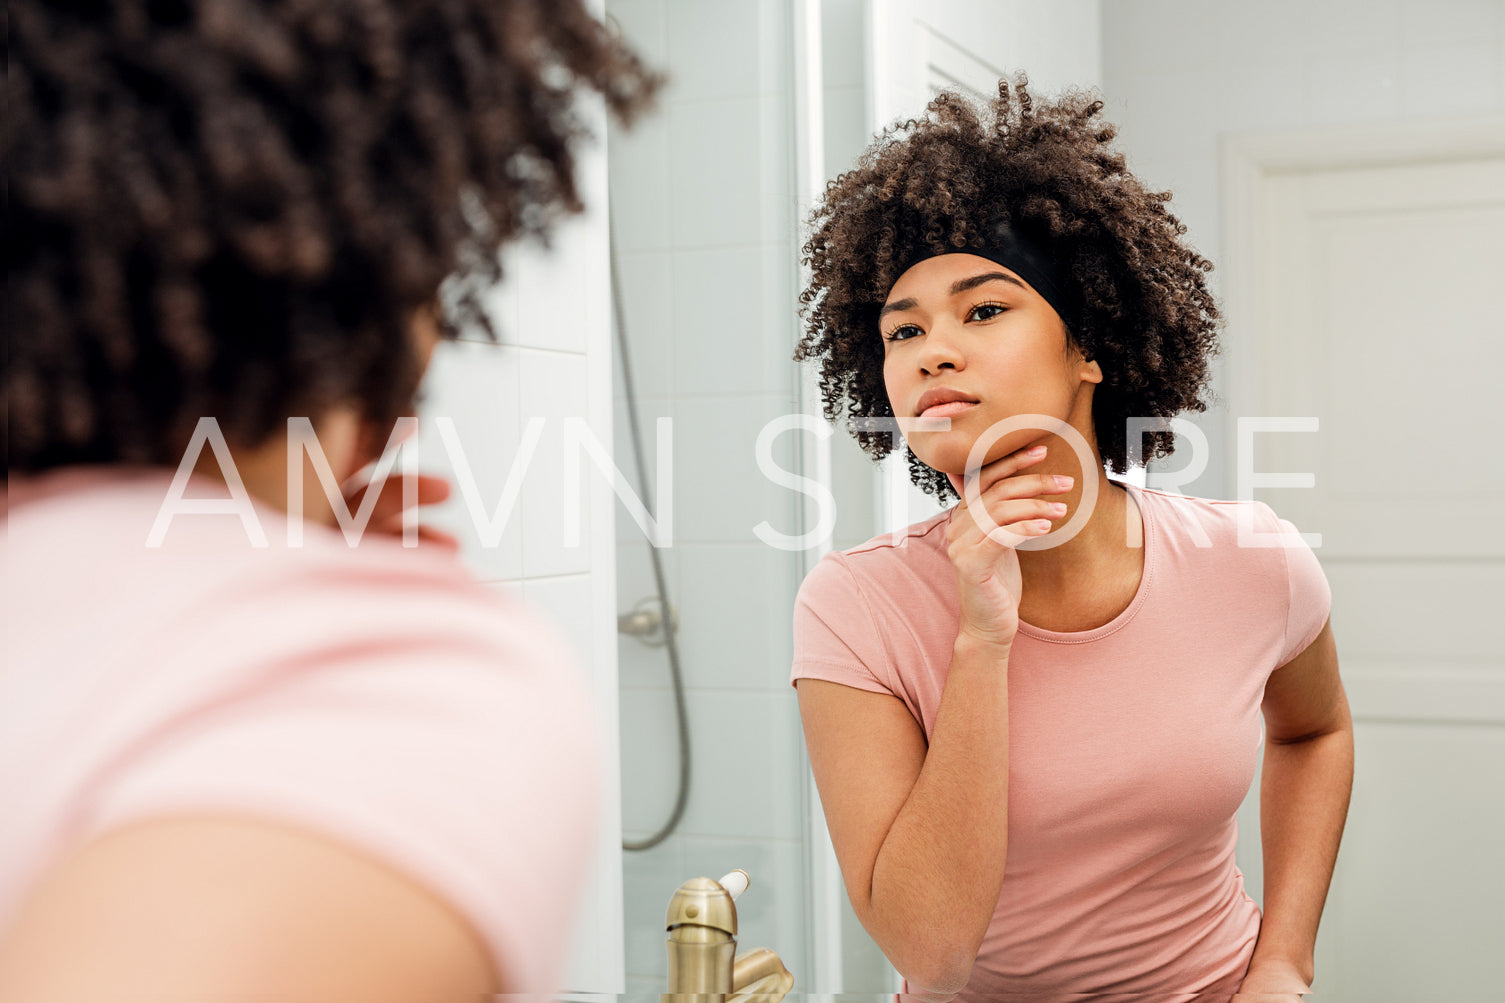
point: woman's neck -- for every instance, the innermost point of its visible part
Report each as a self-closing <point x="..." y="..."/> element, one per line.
<point x="1088" y="580"/>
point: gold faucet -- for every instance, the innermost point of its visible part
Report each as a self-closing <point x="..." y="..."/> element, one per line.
<point x="702" y="942"/>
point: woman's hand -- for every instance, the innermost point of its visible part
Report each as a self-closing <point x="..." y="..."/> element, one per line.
<point x="387" y="516"/>
<point x="987" y="568"/>
<point x="1272" y="982"/>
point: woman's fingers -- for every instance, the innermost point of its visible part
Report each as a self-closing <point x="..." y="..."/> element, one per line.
<point x="390" y="502"/>
<point x="1010" y="507"/>
<point x="1008" y="466"/>
<point x="1028" y="486"/>
<point x="1012" y="521"/>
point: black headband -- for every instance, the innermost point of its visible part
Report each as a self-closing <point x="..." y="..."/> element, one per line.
<point x="1025" y="259"/>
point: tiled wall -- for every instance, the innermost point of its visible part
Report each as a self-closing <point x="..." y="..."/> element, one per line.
<point x="553" y="363"/>
<point x="1180" y="74"/>
<point x="703" y="206"/>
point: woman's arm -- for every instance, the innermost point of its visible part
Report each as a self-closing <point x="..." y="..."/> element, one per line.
<point x="920" y="835"/>
<point x="1304" y="789"/>
<point x="921" y="832"/>
<point x="223" y="908"/>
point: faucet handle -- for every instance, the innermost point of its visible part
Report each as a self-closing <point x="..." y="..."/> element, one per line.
<point x="759" y="976"/>
<point x="735" y="883"/>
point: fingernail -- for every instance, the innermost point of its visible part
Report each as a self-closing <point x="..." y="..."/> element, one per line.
<point x="1058" y="508"/>
<point x="1036" y="451"/>
<point x="1063" y="481"/>
<point x="1044" y="525"/>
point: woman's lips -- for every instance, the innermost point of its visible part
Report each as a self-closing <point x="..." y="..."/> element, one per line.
<point x="950" y="409"/>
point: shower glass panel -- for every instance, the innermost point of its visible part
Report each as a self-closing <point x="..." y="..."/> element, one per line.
<point x="704" y="224"/>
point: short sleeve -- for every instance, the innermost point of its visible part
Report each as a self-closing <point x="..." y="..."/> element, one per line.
<point x="433" y="729"/>
<point x="1308" y="596"/>
<point x="836" y="637"/>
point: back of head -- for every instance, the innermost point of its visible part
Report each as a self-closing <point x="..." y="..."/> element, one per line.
<point x="237" y="208"/>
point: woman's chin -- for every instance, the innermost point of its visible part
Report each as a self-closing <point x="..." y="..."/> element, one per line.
<point x="951" y="458"/>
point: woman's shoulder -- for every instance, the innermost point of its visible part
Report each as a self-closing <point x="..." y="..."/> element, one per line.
<point x="918" y="551"/>
<point x="1214" y="523"/>
<point x="208" y="593"/>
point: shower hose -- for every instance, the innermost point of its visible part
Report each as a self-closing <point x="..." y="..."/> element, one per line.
<point x="671" y="643"/>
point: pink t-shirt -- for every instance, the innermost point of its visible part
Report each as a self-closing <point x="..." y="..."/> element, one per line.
<point x="1131" y="746"/>
<point x="377" y="696"/>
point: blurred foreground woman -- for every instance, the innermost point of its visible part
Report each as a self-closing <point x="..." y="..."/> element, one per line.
<point x="238" y="763"/>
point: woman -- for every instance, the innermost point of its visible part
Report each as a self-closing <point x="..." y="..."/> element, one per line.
<point x="1033" y="717"/>
<point x="237" y="765"/>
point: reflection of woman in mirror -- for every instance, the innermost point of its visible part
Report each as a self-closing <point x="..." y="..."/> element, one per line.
<point x="284" y="772"/>
<point x="1031" y="756"/>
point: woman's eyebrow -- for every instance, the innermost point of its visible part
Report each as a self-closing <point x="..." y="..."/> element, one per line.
<point x="959" y="286"/>
<point x="962" y="285"/>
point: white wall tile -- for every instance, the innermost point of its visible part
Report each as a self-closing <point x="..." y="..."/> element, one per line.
<point x="553" y="387"/>
<point x="775" y="169"/>
<point x="501" y="300"/>
<point x="641" y="203"/>
<point x="717" y="194"/>
<point x="650" y="878"/>
<point x="720" y="494"/>
<point x="642" y="24"/>
<point x="714" y="48"/>
<point x="728" y="332"/>
<point x="714" y="172"/>
<point x="568" y="603"/>
<point x="647" y="307"/>
<point x="746" y="755"/>
<point x="554" y="286"/>
<point x="650" y="409"/>
<point x="650" y="758"/>
<point x="735" y="607"/>
<point x="477" y="386"/>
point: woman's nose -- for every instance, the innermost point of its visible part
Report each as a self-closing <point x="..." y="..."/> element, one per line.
<point x="941" y="350"/>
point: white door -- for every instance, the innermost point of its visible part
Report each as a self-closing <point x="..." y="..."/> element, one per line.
<point x="1368" y="275"/>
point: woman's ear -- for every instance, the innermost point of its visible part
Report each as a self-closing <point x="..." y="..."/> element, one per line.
<point x="1091" y="371"/>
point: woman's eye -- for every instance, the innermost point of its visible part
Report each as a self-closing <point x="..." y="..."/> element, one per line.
<point x="986" y="311"/>
<point x="902" y="333"/>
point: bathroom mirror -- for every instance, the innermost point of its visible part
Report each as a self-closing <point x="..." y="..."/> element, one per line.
<point x="1339" y="161"/>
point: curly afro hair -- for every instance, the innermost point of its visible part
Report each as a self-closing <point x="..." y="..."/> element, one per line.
<point x="1139" y="302"/>
<point x="236" y="208"/>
